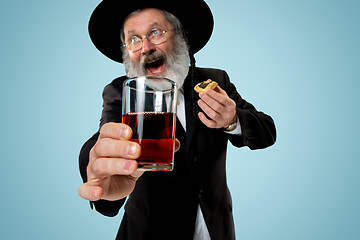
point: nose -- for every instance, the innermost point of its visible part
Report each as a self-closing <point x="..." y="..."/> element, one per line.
<point x="147" y="46"/>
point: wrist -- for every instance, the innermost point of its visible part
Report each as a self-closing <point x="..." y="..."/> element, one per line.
<point x="232" y="125"/>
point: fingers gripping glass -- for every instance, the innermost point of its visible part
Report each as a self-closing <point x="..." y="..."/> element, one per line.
<point x="155" y="36"/>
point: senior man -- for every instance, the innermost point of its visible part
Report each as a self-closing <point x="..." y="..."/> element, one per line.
<point x="160" y="38"/>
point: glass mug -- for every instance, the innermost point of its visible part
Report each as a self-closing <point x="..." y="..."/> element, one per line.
<point x="149" y="108"/>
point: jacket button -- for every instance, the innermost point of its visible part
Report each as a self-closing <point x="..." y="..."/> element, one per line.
<point x="250" y="140"/>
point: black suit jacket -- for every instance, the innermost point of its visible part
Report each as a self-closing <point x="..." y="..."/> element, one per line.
<point x="164" y="204"/>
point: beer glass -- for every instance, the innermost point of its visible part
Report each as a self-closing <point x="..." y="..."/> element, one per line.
<point x="149" y="108"/>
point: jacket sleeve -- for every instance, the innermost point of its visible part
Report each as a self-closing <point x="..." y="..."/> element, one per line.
<point x="111" y="106"/>
<point x="258" y="129"/>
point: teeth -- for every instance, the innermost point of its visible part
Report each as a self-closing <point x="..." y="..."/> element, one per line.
<point x="153" y="60"/>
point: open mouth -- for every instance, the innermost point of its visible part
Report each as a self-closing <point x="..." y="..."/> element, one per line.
<point x="155" y="65"/>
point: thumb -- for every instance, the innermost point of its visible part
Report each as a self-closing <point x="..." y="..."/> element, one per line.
<point x="177" y="144"/>
<point x="91" y="190"/>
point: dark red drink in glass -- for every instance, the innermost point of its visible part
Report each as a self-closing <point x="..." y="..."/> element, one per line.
<point x="154" y="132"/>
<point x="149" y="108"/>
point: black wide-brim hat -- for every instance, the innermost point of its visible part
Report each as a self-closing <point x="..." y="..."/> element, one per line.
<point x="108" y="17"/>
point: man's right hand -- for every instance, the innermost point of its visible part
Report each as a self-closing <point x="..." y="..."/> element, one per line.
<point x="112" y="170"/>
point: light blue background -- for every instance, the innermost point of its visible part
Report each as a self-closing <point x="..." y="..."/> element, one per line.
<point x="297" y="60"/>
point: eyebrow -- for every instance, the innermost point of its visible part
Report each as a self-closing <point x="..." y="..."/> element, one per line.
<point x="150" y="26"/>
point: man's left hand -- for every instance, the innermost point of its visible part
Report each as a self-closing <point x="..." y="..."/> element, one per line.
<point x="217" y="105"/>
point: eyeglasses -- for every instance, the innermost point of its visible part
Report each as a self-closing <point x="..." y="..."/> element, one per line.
<point x="155" y="36"/>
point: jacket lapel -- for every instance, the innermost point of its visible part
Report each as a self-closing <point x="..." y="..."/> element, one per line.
<point x="191" y="121"/>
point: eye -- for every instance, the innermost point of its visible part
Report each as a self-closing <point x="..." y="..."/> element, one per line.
<point x="134" y="39"/>
<point x="155" y="32"/>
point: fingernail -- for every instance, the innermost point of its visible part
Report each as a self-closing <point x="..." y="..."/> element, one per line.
<point x="94" y="180"/>
<point x="201" y="94"/>
<point x="131" y="149"/>
<point x="123" y="132"/>
<point x="127" y="165"/>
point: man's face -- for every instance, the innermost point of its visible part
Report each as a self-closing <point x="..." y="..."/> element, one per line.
<point x="150" y="57"/>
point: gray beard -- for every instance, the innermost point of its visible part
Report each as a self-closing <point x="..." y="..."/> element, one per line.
<point x="177" y="63"/>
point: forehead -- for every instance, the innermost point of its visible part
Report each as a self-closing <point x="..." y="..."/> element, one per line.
<point x="144" y="20"/>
